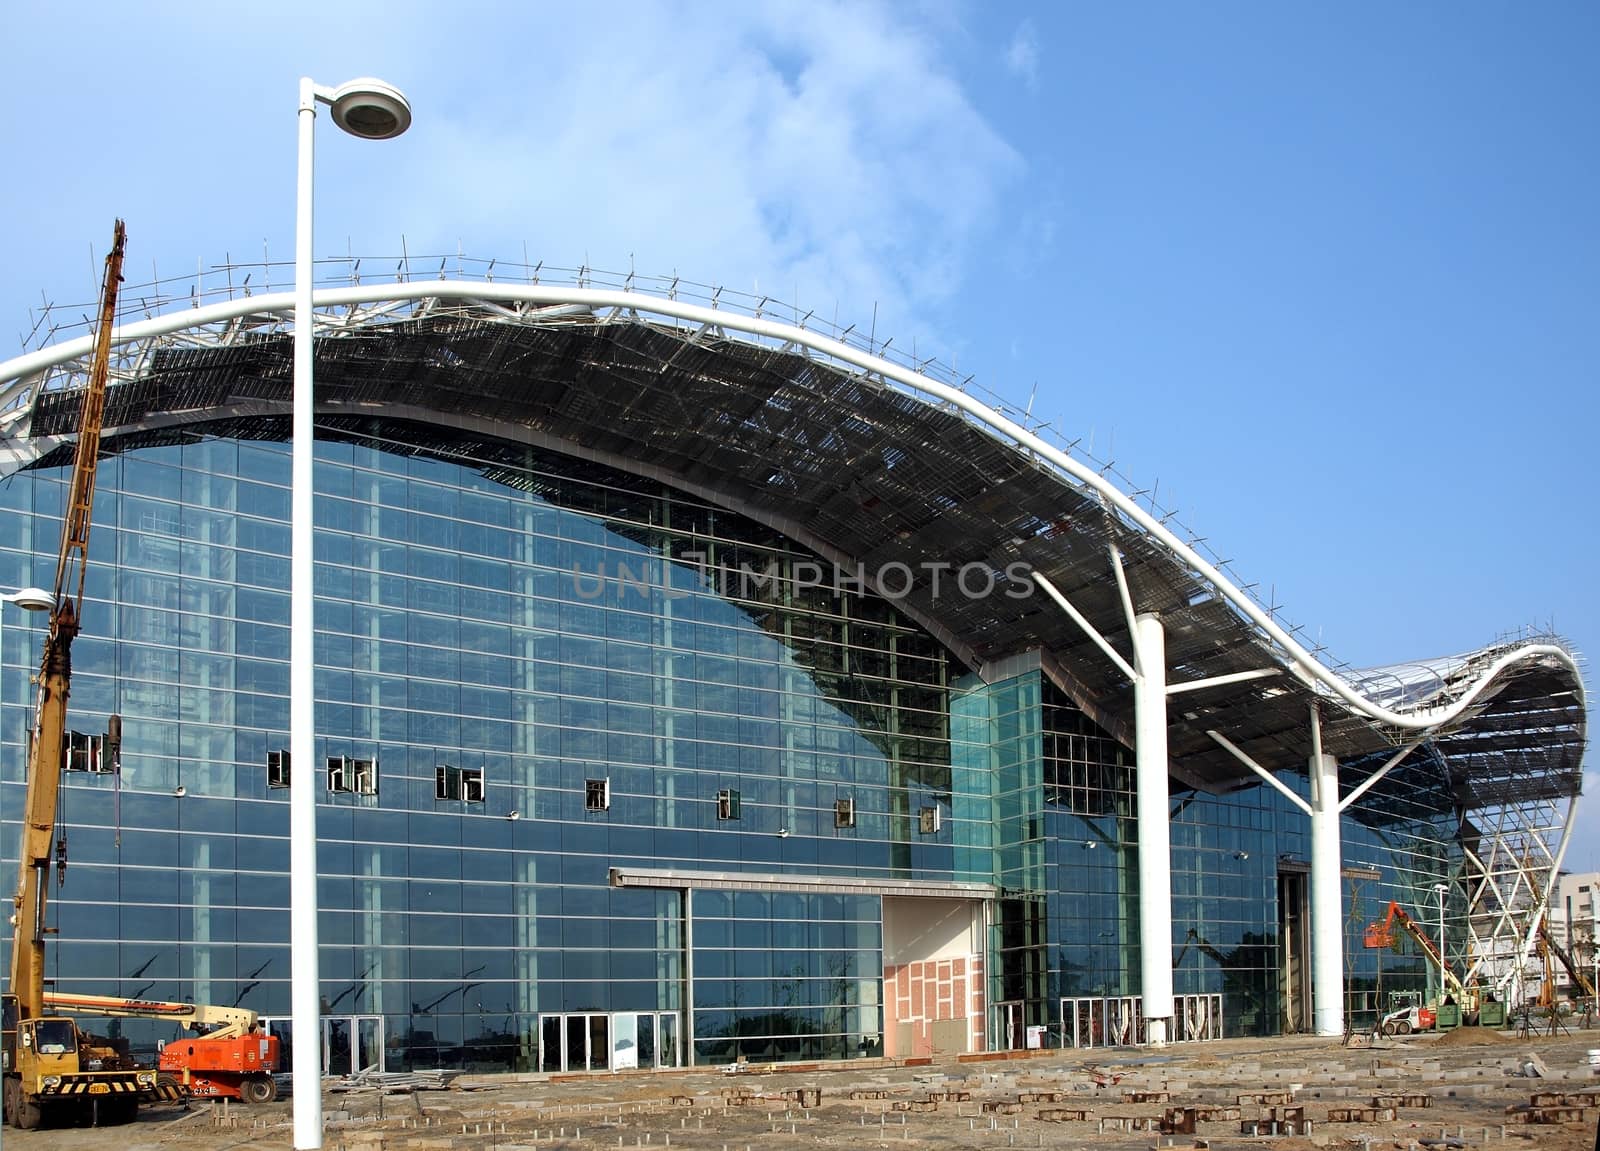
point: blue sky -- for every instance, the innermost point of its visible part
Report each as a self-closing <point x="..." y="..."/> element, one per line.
<point x="1327" y="274"/>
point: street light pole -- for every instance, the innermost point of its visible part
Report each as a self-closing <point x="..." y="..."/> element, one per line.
<point x="372" y="110"/>
<point x="1440" y="889"/>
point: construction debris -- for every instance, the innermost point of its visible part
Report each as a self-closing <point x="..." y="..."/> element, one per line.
<point x="397" y="1082"/>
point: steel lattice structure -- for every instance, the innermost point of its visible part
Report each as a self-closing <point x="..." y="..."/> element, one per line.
<point x="870" y="460"/>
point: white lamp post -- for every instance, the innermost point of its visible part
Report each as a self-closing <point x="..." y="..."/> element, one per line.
<point x="1440" y="889"/>
<point x="372" y="110"/>
<point x="31" y="598"/>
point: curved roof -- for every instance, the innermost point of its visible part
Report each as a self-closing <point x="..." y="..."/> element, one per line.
<point x="867" y="461"/>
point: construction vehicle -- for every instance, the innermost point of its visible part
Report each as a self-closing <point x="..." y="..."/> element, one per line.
<point x="228" y="1057"/>
<point x="52" y="1070"/>
<point x="1405" y="1020"/>
<point x="1418" y="1016"/>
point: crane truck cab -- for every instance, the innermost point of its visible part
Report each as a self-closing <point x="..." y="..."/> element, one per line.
<point x="51" y="1066"/>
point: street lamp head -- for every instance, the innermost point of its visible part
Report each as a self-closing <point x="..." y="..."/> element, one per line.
<point x="31" y="598"/>
<point x="1441" y="888"/>
<point x="370" y="109"/>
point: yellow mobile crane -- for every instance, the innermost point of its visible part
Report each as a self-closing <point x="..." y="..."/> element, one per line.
<point x="53" y="1071"/>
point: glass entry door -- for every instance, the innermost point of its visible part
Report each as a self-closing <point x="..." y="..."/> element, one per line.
<point x="1009" y="1033"/>
<point x="369" y="1043"/>
<point x="351" y="1044"/>
<point x="585" y="1042"/>
<point x="337" y="1042"/>
<point x="550" y="1047"/>
<point x="574" y="1042"/>
<point x="667" y="1053"/>
<point x="658" y="1040"/>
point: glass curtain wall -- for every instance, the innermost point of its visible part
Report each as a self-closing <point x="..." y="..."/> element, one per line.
<point x="786" y="975"/>
<point x="530" y="669"/>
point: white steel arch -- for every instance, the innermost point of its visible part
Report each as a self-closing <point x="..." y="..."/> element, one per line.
<point x="15" y="373"/>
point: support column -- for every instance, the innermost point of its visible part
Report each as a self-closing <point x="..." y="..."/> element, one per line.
<point x="1327" y="914"/>
<point x="1155" y="839"/>
<point x="305" y="994"/>
<point x="688" y="976"/>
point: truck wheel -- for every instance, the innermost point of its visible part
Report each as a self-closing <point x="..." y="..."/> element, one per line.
<point x="1388" y="1027"/>
<point x="1403" y="1027"/>
<point x="258" y="1089"/>
<point x="29" y="1113"/>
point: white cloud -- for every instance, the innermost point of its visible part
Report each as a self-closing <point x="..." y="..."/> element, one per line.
<point x="1022" y="54"/>
<point x="823" y="152"/>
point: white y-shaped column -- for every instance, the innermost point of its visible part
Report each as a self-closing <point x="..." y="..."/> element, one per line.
<point x="1148" y="674"/>
<point x="1155" y="832"/>
<point x="1327" y="951"/>
<point x="1327" y="907"/>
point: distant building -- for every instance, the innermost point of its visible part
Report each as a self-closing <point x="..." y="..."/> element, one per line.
<point x="1574" y="918"/>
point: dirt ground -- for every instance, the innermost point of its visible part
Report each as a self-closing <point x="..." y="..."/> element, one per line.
<point x="1476" y="1086"/>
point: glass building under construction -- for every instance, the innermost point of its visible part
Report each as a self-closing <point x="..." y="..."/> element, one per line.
<point x="692" y="687"/>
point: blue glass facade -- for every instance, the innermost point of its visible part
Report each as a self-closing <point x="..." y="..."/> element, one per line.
<point x="532" y="670"/>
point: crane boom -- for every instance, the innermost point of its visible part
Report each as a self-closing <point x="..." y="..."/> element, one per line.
<point x="218" y="1022"/>
<point x="51" y="1067"/>
<point x="1574" y="972"/>
<point x="55" y="668"/>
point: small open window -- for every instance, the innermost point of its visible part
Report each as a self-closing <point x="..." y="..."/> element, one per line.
<point x="77" y="751"/>
<point x="463" y="783"/>
<point x="278" y="768"/>
<point x="101" y="757"/>
<point x="728" y="803"/>
<point x="340" y="775"/>
<point x="366" y="776"/>
<point x="928" y="820"/>
<point x="597" y="794"/>
<point x="844" y="813"/>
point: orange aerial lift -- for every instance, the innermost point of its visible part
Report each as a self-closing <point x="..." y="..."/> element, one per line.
<point x="1422" y="1017"/>
<point x="229" y="1056"/>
